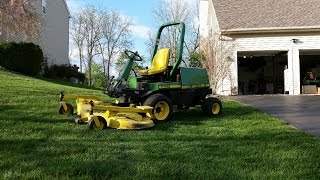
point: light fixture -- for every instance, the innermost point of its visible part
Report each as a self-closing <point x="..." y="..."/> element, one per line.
<point x="296" y="41"/>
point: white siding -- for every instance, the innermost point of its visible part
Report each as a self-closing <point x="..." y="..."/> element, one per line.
<point x="54" y="38"/>
<point x="213" y="20"/>
<point x="208" y="19"/>
<point x="229" y="85"/>
<point x="9" y="37"/>
<point x="203" y="17"/>
<point x="55" y="33"/>
<point x="277" y="42"/>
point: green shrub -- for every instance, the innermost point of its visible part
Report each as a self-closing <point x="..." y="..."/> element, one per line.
<point x="195" y="59"/>
<point x="64" y="72"/>
<point x="22" y="57"/>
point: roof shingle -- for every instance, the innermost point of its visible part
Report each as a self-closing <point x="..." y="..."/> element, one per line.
<point x="256" y="14"/>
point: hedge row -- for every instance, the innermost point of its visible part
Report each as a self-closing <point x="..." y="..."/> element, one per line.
<point x="64" y="72"/>
<point x="26" y="58"/>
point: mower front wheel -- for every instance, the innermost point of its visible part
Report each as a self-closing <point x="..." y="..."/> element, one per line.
<point x="212" y="106"/>
<point x="77" y="120"/>
<point x="67" y="111"/>
<point x="93" y="126"/>
<point x="162" y="106"/>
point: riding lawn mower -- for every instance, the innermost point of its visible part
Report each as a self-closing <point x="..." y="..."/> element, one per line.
<point x="150" y="94"/>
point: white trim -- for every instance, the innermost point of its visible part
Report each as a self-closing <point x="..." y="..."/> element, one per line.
<point x="65" y="3"/>
<point x="272" y="30"/>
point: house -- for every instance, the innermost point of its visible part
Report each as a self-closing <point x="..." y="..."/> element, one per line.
<point x="54" y="38"/>
<point x="275" y="43"/>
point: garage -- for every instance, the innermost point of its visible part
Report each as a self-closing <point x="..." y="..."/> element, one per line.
<point x="261" y="72"/>
<point x="310" y="71"/>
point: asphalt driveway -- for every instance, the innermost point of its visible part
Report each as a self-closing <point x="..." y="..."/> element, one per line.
<point x="302" y="112"/>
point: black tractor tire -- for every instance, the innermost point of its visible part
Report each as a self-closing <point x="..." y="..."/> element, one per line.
<point x="92" y="124"/>
<point x="69" y="110"/>
<point x="212" y="106"/>
<point x="162" y="107"/>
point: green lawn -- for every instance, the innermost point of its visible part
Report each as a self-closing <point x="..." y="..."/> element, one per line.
<point x="36" y="142"/>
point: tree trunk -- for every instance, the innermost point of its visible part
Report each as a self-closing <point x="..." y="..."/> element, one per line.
<point x="104" y="70"/>
<point x="90" y="70"/>
<point x="108" y="72"/>
<point x="80" y="56"/>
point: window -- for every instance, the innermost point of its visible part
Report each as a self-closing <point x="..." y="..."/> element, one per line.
<point x="44" y="6"/>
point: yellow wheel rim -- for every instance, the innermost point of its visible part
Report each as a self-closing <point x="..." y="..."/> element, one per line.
<point x="161" y="110"/>
<point x="216" y="108"/>
<point x="96" y="127"/>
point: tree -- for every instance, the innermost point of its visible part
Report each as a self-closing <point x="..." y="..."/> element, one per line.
<point x="20" y="16"/>
<point x="92" y="36"/>
<point x="195" y="59"/>
<point x="98" y="77"/>
<point x="86" y="34"/>
<point x="100" y="32"/>
<point x="178" y="10"/>
<point x="116" y="33"/>
<point x="216" y="57"/>
<point x="77" y="34"/>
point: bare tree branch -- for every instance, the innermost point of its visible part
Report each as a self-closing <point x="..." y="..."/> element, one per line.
<point x="20" y="16"/>
<point x="116" y="32"/>
<point x="217" y="56"/>
<point x="100" y="32"/>
<point x="177" y="10"/>
<point x="77" y="34"/>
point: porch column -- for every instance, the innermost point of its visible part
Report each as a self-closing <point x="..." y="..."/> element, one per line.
<point x="294" y="71"/>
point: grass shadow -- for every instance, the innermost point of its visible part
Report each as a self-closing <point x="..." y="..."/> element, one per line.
<point x="70" y="84"/>
<point x="195" y="116"/>
<point x="238" y="110"/>
<point x="6" y="107"/>
<point x="56" y="81"/>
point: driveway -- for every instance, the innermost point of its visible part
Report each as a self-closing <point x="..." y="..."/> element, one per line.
<point x="302" y="112"/>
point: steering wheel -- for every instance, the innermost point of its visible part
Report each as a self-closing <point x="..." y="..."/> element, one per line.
<point x="135" y="73"/>
<point x="133" y="55"/>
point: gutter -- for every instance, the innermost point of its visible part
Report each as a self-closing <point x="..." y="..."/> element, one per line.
<point x="271" y="30"/>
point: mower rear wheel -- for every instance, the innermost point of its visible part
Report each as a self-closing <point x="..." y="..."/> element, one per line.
<point x="162" y="106"/>
<point x="93" y="126"/>
<point x="67" y="111"/>
<point x="212" y="106"/>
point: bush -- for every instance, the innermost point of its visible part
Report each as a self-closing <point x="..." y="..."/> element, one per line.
<point x="64" y="72"/>
<point x="22" y="57"/>
<point x="195" y="59"/>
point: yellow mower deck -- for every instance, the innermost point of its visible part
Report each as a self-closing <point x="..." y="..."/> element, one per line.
<point x="122" y="117"/>
<point x="99" y="115"/>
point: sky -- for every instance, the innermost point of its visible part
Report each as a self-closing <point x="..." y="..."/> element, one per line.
<point x="140" y="11"/>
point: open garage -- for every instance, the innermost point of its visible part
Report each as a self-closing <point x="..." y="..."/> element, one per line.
<point x="261" y="72"/>
<point x="310" y="71"/>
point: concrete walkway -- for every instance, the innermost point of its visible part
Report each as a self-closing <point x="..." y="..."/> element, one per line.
<point x="302" y="112"/>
